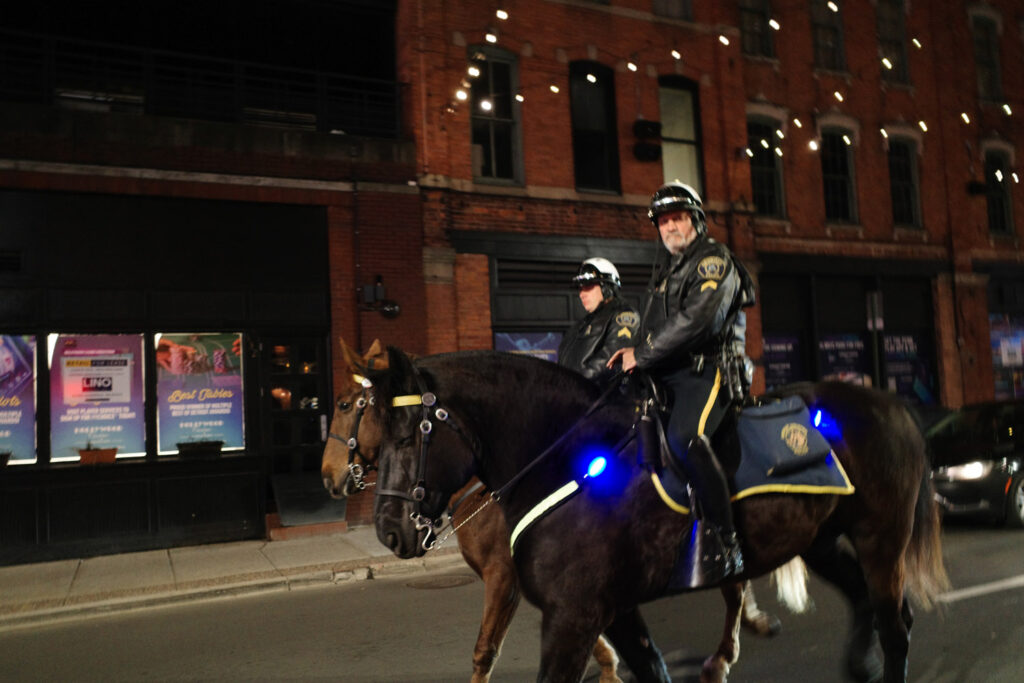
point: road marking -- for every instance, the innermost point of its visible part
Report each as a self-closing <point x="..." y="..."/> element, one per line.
<point x="983" y="589"/>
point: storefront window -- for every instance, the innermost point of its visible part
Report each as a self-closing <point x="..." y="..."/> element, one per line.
<point x="199" y="390"/>
<point x="96" y="395"/>
<point x="1007" y="335"/>
<point x="18" y="399"/>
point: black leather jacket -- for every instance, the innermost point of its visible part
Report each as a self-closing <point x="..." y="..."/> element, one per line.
<point x="588" y="345"/>
<point x="695" y="308"/>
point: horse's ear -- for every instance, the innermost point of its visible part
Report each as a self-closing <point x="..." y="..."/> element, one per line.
<point x="400" y="372"/>
<point x="349" y="356"/>
<point x="375" y="357"/>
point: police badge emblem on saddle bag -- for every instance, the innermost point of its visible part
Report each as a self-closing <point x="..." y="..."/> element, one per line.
<point x="779" y="437"/>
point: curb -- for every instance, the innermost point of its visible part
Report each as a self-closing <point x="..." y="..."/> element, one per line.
<point x="296" y="578"/>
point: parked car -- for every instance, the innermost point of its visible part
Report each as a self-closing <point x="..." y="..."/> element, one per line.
<point x="978" y="462"/>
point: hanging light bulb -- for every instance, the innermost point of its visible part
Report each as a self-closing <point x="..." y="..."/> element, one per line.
<point x="519" y="97"/>
<point x="473" y="71"/>
<point x="923" y="125"/>
<point x="833" y="6"/>
<point x="778" y="151"/>
<point x="917" y="43"/>
<point x="631" y="66"/>
<point x="796" y="122"/>
<point x="780" y="134"/>
<point x="750" y="152"/>
<point x="486" y="105"/>
<point x="813" y="144"/>
<point x="774" y="24"/>
<point x="592" y="78"/>
<point x="501" y="14"/>
<point x="764" y="143"/>
<point x="461" y="95"/>
<point x="554" y="88"/>
<point x="723" y="40"/>
<point x="885" y="133"/>
<point x="1006" y="108"/>
<point x="491" y="37"/>
<point x="999" y="175"/>
<point x="965" y="117"/>
<point x="838" y="95"/>
<point x="847" y="140"/>
<point x="886" y="63"/>
<point x="676" y="54"/>
<point x="1015" y="177"/>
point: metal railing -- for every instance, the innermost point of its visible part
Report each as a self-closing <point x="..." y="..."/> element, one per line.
<point x="101" y="77"/>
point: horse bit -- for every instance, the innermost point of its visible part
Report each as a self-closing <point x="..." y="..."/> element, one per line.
<point x="356" y="480"/>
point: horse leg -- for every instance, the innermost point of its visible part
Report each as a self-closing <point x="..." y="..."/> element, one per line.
<point x="753" y="619"/>
<point x="631" y="638"/>
<point x="840" y="568"/>
<point x="565" y="646"/>
<point x="501" y="599"/>
<point x="893" y="616"/>
<point x="608" y="660"/>
<point x="716" y="667"/>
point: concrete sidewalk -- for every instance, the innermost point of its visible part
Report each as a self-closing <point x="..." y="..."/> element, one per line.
<point x="34" y="593"/>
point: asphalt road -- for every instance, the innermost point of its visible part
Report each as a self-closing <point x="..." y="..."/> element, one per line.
<point x="421" y="628"/>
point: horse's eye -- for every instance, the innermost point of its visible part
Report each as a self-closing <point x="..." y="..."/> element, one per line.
<point x="344" y="406"/>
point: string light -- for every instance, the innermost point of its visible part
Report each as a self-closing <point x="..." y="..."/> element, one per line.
<point x="839" y="95"/>
<point x="833" y="6"/>
<point x="501" y="14"/>
<point x="885" y="133"/>
<point x="723" y="40"/>
<point x="485" y="105"/>
<point x="796" y="122"/>
<point x="778" y="151"/>
<point x="1006" y="108"/>
<point x="923" y="125"/>
<point x="491" y="37"/>
<point x="750" y="153"/>
<point x="1016" y="179"/>
<point x="461" y="95"/>
<point x="473" y="71"/>
<point x="965" y="117"/>
<point x="554" y="89"/>
<point x="631" y="66"/>
<point x="917" y="43"/>
<point x="519" y="97"/>
<point x="780" y="134"/>
<point x="764" y="143"/>
<point x="886" y="63"/>
<point x="847" y="140"/>
<point x="774" y="24"/>
<point x="813" y="144"/>
<point x="676" y="54"/>
<point x="592" y="78"/>
<point x="999" y="175"/>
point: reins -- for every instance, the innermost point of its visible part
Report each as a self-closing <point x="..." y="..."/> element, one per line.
<point x="357" y="472"/>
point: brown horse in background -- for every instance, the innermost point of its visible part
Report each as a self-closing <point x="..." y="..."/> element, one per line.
<point x="484" y="543"/>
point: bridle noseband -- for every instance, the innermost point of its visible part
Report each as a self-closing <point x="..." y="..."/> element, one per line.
<point x="418" y="493"/>
<point x="356" y="480"/>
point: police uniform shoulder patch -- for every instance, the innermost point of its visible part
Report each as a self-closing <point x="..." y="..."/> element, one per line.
<point x="712" y="268"/>
<point x="627" y="319"/>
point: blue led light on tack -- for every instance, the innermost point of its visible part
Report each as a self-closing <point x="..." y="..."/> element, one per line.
<point x="597" y="466"/>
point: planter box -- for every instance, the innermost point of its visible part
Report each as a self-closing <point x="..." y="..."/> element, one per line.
<point x="97" y="456"/>
<point x="199" y="449"/>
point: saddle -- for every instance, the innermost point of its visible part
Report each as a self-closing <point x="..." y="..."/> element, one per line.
<point x="779" y="451"/>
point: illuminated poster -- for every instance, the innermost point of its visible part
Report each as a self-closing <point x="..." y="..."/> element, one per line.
<point x="96" y="394"/>
<point x="537" y="344"/>
<point x="1006" y="333"/>
<point x="782" y="362"/>
<point x="18" y="398"/>
<point x="844" y="357"/>
<point x="907" y="372"/>
<point x="199" y="389"/>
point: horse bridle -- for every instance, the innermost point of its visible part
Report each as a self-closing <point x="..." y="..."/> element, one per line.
<point x="418" y="493"/>
<point x="356" y="480"/>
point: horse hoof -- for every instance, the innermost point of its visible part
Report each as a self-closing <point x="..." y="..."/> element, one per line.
<point x="765" y="625"/>
<point x="714" y="670"/>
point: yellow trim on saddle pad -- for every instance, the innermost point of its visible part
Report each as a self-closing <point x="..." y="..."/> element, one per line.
<point x="407" y="400"/>
<point x="844" y="490"/>
<point x="665" y="498"/>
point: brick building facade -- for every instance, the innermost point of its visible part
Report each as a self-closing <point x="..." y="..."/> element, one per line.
<point x="859" y="156"/>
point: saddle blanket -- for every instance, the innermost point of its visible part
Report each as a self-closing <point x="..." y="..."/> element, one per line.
<point x="781" y="452"/>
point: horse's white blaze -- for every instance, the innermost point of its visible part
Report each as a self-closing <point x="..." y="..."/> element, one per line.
<point x="791" y="583"/>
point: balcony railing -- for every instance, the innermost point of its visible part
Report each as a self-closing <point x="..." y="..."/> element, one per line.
<point x="100" y="77"/>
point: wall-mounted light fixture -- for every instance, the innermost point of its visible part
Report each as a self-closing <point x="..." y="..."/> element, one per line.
<point x="374" y="298"/>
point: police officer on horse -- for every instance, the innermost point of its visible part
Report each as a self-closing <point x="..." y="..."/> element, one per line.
<point x="609" y="325"/>
<point x="691" y="342"/>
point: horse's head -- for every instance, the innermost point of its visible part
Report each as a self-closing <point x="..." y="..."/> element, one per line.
<point x="425" y="455"/>
<point x="351" y="450"/>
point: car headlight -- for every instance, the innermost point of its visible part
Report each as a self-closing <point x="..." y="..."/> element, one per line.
<point x="978" y="469"/>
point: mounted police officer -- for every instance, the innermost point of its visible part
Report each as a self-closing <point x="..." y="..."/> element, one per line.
<point x="691" y="341"/>
<point x="609" y="325"/>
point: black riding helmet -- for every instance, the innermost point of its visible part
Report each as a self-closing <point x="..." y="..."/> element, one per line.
<point x="677" y="196"/>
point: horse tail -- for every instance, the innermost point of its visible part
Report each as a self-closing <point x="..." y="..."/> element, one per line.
<point x="925" y="571"/>
<point x="791" y="585"/>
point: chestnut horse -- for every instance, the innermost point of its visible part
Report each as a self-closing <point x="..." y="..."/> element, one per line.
<point x="610" y="543"/>
<point x="484" y="543"/>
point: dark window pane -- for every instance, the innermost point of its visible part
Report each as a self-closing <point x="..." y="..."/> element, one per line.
<point x="765" y="169"/>
<point x="754" y="28"/>
<point x="903" y="182"/>
<point x="594" y="140"/>
<point x="997" y="182"/>
<point x="494" y="139"/>
<point x="837" y="177"/>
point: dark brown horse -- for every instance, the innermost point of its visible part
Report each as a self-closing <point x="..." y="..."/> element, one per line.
<point x="484" y="543"/>
<point x="612" y="544"/>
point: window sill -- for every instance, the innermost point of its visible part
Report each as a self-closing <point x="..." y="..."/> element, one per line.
<point x="844" y="230"/>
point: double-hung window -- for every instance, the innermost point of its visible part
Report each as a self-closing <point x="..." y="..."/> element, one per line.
<point x="495" y="117"/>
<point x="837" y="175"/>
<point x="594" y="139"/>
<point x="997" y="184"/>
<point x="680" y="131"/>
<point x="765" y="167"/>
<point x="892" y="40"/>
<point x="827" y="35"/>
<point x="756" y="34"/>
<point x="903" y="182"/>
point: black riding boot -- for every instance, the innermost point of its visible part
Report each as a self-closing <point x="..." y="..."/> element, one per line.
<point x="716" y="549"/>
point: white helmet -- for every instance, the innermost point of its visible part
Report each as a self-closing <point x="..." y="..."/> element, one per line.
<point x="599" y="270"/>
